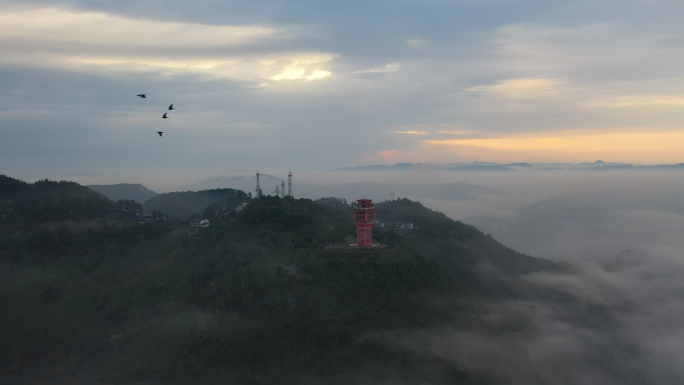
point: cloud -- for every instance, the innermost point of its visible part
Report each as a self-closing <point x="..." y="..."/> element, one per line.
<point x="396" y="154"/>
<point x="54" y="26"/>
<point x="412" y="132"/>
<point x="89" y="41"/>
<point x="329" y="73"/>
<point x="590" y="326"/>
<point x="637" y="101"/>
<point x="522" y="88"/>
<point x="416" y="41"/>
<point x="392" y="67"/>
<point x="457" y="132"/>
<point x="637" y="145"/>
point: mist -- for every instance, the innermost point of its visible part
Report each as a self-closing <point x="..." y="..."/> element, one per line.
<point x="612" y="316"/>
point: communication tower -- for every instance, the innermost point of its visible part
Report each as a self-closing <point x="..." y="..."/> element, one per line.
<point x="364" y="215"/>
<point x="277" y="191"/>
<point x="282" y="190"/>
<point x="258" y="188"/>
<point x="289" y="184"/>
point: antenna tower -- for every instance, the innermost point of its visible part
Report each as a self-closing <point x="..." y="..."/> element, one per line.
<point x="258" y="188"/>
<point x="282" y="190"/>
<point x="277" y="190"/>
<point x="289" y="184"/>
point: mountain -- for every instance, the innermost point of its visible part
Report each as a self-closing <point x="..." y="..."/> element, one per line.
<point x="526" y="165"/>
<point x="135" y="305"/>
<point x="479" y="168"/>
<point x="395" y="167"/>
<point x="401" y="167"/>
<point x="25" y="205"/>
<point x="622" y="167"/>
<point x="240" y="182"/>
<point x="136" y="192"/>
<point x="598" y="165"/>
<point x="205" y="203"/>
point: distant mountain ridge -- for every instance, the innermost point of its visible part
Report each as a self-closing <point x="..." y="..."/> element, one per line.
<point x="136" y="192"/>
<point x="598" y="165"/>
<point x="240" y="182"/>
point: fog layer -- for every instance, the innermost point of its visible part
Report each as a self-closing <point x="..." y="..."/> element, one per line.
<point x="613" y="317"/>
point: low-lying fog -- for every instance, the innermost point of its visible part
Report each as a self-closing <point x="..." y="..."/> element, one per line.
<point x="622" y="236"/>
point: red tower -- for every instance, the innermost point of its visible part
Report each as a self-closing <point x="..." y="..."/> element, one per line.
<point x="364" y="215"/>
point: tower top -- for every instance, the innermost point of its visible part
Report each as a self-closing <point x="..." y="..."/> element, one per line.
<point x="363" y="203"/>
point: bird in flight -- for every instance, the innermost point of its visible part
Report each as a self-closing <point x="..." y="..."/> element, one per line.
<point x="164" y="116"/>
<point x="171" y="108"/>
<point x="160" y="132"/>
<point x="144" y="96"/>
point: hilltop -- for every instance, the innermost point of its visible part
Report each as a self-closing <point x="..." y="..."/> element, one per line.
<point x="23" y="205"/>
<point x="134" y="304"/>
<point x="205" y="203"/>
<point x="136" y="192"/>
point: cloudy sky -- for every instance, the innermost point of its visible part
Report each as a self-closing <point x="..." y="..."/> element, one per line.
<point x="307" y="84"/>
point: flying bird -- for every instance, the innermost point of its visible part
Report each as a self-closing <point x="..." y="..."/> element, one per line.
<point x="164" y="116"/>
<point x="160" y="132"/>
<point x="144" y="96"/>
<point x="171" y="108"/>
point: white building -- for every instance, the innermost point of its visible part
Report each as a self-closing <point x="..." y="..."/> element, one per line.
<point x="404" y="225"/>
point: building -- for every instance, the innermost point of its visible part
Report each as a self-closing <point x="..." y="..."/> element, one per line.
<point x="200" y="223"/>
<point x="404" y="225"/>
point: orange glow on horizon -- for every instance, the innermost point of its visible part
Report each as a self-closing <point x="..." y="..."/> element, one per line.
<point x="631" y="146"/>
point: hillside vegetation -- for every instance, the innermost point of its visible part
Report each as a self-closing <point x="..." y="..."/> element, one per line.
<point x="136" y="192"/>
<point x="206" y="203"/>
<point x="23" y="205"/>
<point x="135" y="305"/>
<point x="465" y="250"/>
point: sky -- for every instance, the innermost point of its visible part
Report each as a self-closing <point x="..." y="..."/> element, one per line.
<point x="301" y="85"/>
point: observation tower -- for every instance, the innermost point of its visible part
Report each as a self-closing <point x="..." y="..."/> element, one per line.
<point x="364" y="215"/>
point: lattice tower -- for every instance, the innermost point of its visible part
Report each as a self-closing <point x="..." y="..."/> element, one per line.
<point x="364" y="215"/>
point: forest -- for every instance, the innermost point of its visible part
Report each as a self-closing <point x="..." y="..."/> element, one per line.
<point x="134" y="304"/>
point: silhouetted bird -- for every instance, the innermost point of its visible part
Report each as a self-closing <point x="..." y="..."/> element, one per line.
<point x="164" y="116"/>
<point x="171" y="107"/>
<point x="160" y="132"/>
<point x="144" y="96"/>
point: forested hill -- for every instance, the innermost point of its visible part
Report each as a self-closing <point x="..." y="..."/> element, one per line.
<point x="182" y="205"/>
<point x="473" y="257"/>
<point x="24" y="204"/>
<point x="136" y="305"/>
<point x="136" y="192"/>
